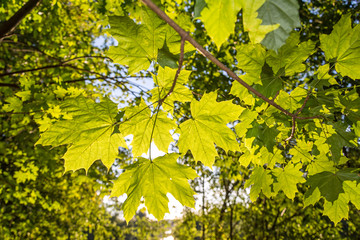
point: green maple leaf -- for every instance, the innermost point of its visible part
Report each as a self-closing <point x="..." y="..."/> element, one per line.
<point x="342" y="45"/>
<point x="255" y="26"/>
<point x="246" y="118"/>
<point x="260" y="180"/>
<point x="285" y="13"/>
<point x="153" y="180"/>
<point x="321" y="164"/>
<point x="352" y="188"/>
<point x="287" y="179"/>
<point x="323" y="78"/>
<point x="90" y="133"/>
<point x="330" y="184"/>
<point x="292" y="101"/>
<point x="251" y="58"/>
<point x="260" y="135"/>
<point x="270" y="83"/>
<point x="207" y="127"/>
<point x="340" y="138"/>
<point x="166" y="58"/>
<point x="337" y="209"/>
<point x="164" y="79"/>
<point x="241" y="92"/>
<point x="14" y="104"/>
<point x="290" y="56"/>
<point x="337" y="189"/>
<point x="219" y="18"/>
<point x="142" y="124"/>
<point x="138" y="43"/>
<point x="199" y="6"/>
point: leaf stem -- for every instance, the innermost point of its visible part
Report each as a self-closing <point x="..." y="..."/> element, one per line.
<point x="181" y="59"/>
<point x="153" y="129"/>
<point x="293" y="128"/>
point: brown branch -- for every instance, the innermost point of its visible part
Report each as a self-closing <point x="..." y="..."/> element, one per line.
<point x="48" y="67"/>
<point x="292" y="130"/>
<point x="10" y="25"/>
<point x="296" y="116"/>
<point x="12" y="85"/>
<point x="11" y="113"/>
<point x="31" y="70"/>
<point x="187" y="37"/>
<point x="76" y="58"/>
<point x="308" y="118"/>
<point x="302" y="107"/>
<point x="35" y="49"/>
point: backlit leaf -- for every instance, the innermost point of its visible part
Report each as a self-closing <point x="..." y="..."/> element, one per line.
<point x="90" y="133"/>
<point x="219" y="18"/>
<point x="142" y="124"/>
<point x="287" y="179"/>
<point x="207" y="127"/>
<point x="260" y="180"/>
<point x="343" y="47"/>
<point x="138" y="44"/>
<point x="153" y="180"/>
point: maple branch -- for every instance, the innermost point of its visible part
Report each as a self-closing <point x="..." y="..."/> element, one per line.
<point x="12" y="85"/>
<point x="76" y="58"/>
<point x="9" y="25"/>
<point x="181" y="59"/>
<point x="296" y="116"/>
<point x="292" y="129"/>
<point x="302" y="107"/>
<point x="207" y="54"/>
<point x="52" y="66"/>
<point x="293" y="126"/>
<point x="30" y="70"/>
<point x="11" y="113"/>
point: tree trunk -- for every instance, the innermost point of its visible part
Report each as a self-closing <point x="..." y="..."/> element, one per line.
<point x="203" y="208"/>
<point x="9" y="25"/>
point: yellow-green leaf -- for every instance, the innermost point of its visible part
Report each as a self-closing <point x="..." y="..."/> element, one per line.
<point x="153" y="180"/>
<point x="207" y="127"/>
<point x="219" y="18"/>
<point x="141" y="123"/>
<point x="91" y="133"/>
<point x="343" y="47"/>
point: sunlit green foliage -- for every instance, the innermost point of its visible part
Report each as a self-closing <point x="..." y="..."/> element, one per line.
<point x="301" y="133"/>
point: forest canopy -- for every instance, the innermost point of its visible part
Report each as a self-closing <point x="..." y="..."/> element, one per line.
<point x="259" y="97"/>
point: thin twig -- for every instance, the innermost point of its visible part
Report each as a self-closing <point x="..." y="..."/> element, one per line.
<point x="31" y="70"/>
<point x="308" y="118"/>
<point x="292" y="130"/>
<point x="12" y="85"/>
<point x="302" y="107"/>
<point x="197" y="94"/>
<point x="181" y="59"/>
<point x="293" y="119"/>
<point x="76" y="58"/>
<point x="12" y="113"/>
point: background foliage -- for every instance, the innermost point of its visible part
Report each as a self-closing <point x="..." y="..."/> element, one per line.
<point x="57" y="62"/>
